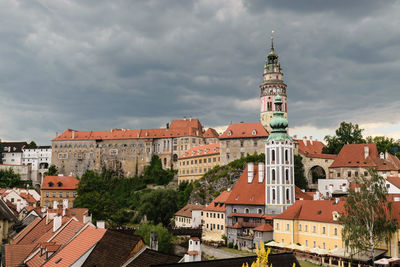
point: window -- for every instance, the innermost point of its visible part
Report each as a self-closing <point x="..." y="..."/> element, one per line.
<point x="54" y="194"/>
<point x="246" y="211"/>
<point x="259" y="211"/>
<point x="356" y="173"/>
<point x="255" y="143"/>
<point x="287" y="227"/>
<point x="273" y="194"/>
<point x="323" y="245"/>
<point x="349" y="174"/>
<point x="67" y="194"/>
<point x="323" y="230"/>
<point x="241" y="143"/>
<point x="214" y="159"/>
<point x="273" y="155"/>
<point x="306" y="243"/>
<point x="306" y="228"/>
<point x="335" y="231"/>
<point x="277" y="226"/>
<point x="365" y="173"/>
<point x="299" y="227"/>
<point x="273" y="175"/>
<point x="287" y="195"/>
<point x="60" y="194"/>
<point x="287" y="175"/>
<point x="47" y="194"/>
<point x="314" y="244"/>
<point x="286" y="156"/>
<point x="74" y="194"/>
<point x="314" y="229"/>
<point x="338" y="174"/>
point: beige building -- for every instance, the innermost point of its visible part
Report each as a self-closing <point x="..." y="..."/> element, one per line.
<point x="7" y="219"/>
<point x="354" y="160"/>
<point x="214" y="218"/>
<point x="197" y="161"/>
<point x="189" y="216"/>
<point x="130" y="151"/>
<point x="240" y="139"/>
<point x="60" y="190"/>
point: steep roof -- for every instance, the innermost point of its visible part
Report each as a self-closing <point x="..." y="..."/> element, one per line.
<point x="60" y="182"/>
<point x="244" y="130"/>
<point x="114" y="248"/>
<point x="310" y="146"/>
<point x="218" y="204"/>
<point x="248" y="193"/>
<point x="200" y="151"/>
<point x="211" y="133"/>
<point x="187" y="210"/>
<point x="186" y="123"/>
<point x="394" y="181"/>
<point x="313" y="210"/>
<point x="79" y="245"/>
<point x="301" y="195"/>
<point x="15" y="254"/>
<point x="13" y="147"/>
<point x="265" y="227"/>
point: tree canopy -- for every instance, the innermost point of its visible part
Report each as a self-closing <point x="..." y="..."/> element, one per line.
<point x="384" y="144"/>
<point x="10" y="179"/>
<point x="367" y="220"/>
<point x="52" y="171"/>
<point x="299" y="178"/>
<point x="347" y="133"/>
<point x="154" y="173"/>
<point x="164" y="237"/>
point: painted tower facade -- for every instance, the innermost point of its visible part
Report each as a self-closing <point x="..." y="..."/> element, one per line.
<point x="279" y="163"/>
<point x="272" y="85"/>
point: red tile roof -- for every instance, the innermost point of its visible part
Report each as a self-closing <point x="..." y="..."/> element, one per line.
<point x="76" y="247"/>
<point x="265" y="227"/>
<point x="77" y="213"/>
<point x="193" y="252"/>
<point x="211" y="133"/>
<point x="242" y="130"/>
<point x="200" y="151"/>
<point x="394" y="181"/>
<point x="187" y="210"/>
<point x="312" y="210"/>
<point x="248" y="194"/>
<point x="59" y="183"/>
<point x="67" y="232"/>
<point x="28" y="197"/>
<point x="301" y="195"/>
<point x="15" y="254"/>
<point x="310" y="147"/>
<point x="218" y="204"/>
<point x="25" y="231"/>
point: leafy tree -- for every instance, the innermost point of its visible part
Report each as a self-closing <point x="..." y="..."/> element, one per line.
<point x="164" y="237"/>
<point x="159" y="205"/>
<point x="10" y="179"/>
<point x="32" y="144"/>
<point x="384" y="144"/>
<point x="367" y="220"/>
<point x="154" y="173"/>
<point x="347" y="133"/>
<point x="53" y="171"/>
<point x="299" y="178"/>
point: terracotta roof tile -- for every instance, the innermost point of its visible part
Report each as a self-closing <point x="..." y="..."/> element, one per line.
<point x="76" y="247"/>
<point x="310" y="147"/>
<point x="151" y="257"/>
<point x="187" y="210"/>
<point x="242" y="130"/>
<point x="31" y="232"/>
<point x="78" y="213"/>
<point x="352" y="155"/>
<point x="302" y="195"/>
<point x="265" y="227"/>
<point x="15" y="254"/>
<point x="59" y="182"/>
<point x="211" y="133"/>
<point x="218" y="204"/>
<point x="394" y="181"/>
<point x="200" y="151"/>
<point x="248" y="194"/>
<point x="28" y="197"/>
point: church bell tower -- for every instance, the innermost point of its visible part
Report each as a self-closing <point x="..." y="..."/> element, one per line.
<point x="272" y="85"/>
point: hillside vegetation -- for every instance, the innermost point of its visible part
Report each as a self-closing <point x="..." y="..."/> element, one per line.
<point x="220" y="178"/>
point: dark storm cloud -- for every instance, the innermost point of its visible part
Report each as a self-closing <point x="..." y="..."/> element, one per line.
<point x="93" y="65"/>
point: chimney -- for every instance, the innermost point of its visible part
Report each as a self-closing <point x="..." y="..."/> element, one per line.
<point x="55" y="204"/>
<point x="87" y="218"/>
<point x="311" y="140"/>
<point x="73" y="134"/>
<point x="250" y="172"/>
<point x="57" y="221"/>
<point x="305" y="140"/>
<point x="366" y="152"/>
<point x="153" y="241"/>
<point x="190" y="118"/>
<point x="65" y="203"/>
<point x="101" y="225"/>
<point x="337" y="200"/>
<point x="167" y="126"/>
<point x="184" y="118"/>
<point x="382" y="155"/>
<point x="261" y="172"/>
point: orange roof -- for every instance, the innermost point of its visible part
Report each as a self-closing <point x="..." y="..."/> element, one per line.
<point x="193" y="252"/>
<point x="252" y="215"/>
<point x="310" y="147"/>
<point x="244" y="129"/>
<point x="394" y="181"/>
<point x="218" y="204"/>
<point x="67" y="232"/>
<point x="301" y="195"/>
<point x="15" y="254"/>
<point x="211" y="133"/>
<point x="28" y="197"/>
<point x="25" y="231"/>
<point x="248" y="194"/>
<point x="200" y="151"/>
<point x="195" y="238"/>
<point x="312" y="210"/>
<point x="187" y="210"/>
<point x="59" y="182"/>
<point x="265" y="227"/>
<point x="186" y="123"/>
<point x="76" y="247"/>
<point x="78" y="213"/>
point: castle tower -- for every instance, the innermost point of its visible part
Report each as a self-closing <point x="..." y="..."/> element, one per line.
<point x="272" y="85"/>
<point x="279" y="163"/>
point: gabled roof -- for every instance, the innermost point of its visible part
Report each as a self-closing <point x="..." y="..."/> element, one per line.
<point x="248" y="194"/>
<point x="13" y="147"/>
<point x="186" y="123"/>
<point x="35" y="232"/>
<point x="211" y="133"/>
<point x="28" y="197"/>
<point x="301" y="195"/>
<point x="25" y="231"/>
<point x="6" y="212"/>
<point x="313" y="210"/>
<point x="15" y="254"/>
<point x="394" y="181"/>
<point x="60" y="183"/>
<point x="218" y="204"/>
<point x="244" y="130"/>
<point x="78" y="246"/>
<point x="201" y="151"/>
<point x="114" y="248"/>
<point x="187" y="210"/>
<point x="265" y="227"/>
<point x="309" y="146"/>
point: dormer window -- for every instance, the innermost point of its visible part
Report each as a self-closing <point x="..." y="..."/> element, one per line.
<point x="59" y="184"/>
<point x="335" y="215"/>
<point x="229" y="133"/>
<point x="254" y="132"/>
<point x="51" y="184"/>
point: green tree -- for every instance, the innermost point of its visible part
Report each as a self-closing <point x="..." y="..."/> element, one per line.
<point x="32" y="144"/>
<point x="184" y="191"/>
<point x="347" y="133"/>
<point x="367" y="220"/>
<point x="53" y="171"/>
<point x="384" y="143"/>
<point x="164" y="237"/>
<point x="154" y="173"/>
<point x="159" y="205"/>
<point x="299" y="178"/>
<point x="10" y="179"/>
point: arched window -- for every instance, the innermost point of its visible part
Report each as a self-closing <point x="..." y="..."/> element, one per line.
<point x="273" y="175"/>
<point x="273" y="155"/>
<point x="273" y="194"/>
<point x="286" y="156"/>
<point x="246" y="211"/>
<point x="259" y="211"/>
<point x="165" y="162"/>
<point x="234" y="211"/>
<point x="287" y="174"/>
<point x="287" y="195"/>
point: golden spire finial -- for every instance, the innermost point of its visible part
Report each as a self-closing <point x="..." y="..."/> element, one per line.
<point x="272" y="39"/>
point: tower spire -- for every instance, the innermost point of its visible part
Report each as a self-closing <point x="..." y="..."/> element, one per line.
<point x="272" y="40"/>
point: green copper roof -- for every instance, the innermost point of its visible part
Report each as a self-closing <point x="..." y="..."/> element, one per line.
<point x="278" y="123"/>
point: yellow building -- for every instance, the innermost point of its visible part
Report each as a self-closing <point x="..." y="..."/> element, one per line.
<point x="214" y="218"/>
<point x="315" y="224"/>
<point x="58" y="189"/>
<point x="197" y="161"/>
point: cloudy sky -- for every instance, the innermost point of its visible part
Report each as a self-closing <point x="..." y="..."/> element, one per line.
<point x="96" y="65"/>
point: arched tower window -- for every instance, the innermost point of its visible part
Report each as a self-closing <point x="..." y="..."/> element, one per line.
<point x="287" y="195"/>
<point x="273" y="155"/>
<point x="273" y="194"/>
<point x="286" y="155"/>
<point x="273" y="175"/>
<point x="287" y="175"/>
